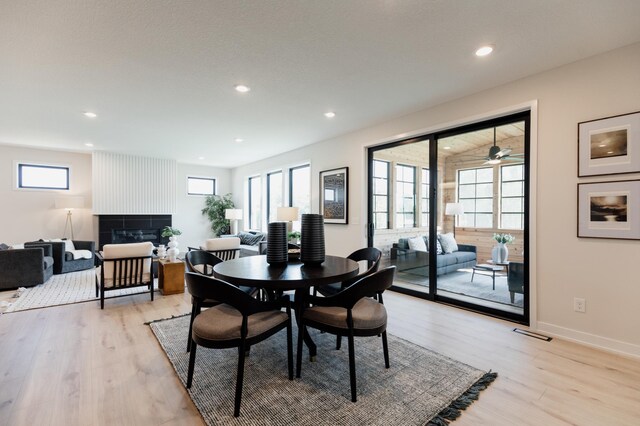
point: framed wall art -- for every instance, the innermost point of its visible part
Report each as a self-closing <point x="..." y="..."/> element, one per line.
<point x="334" y="195"/>
<point x="609" y="145"/>
<point x="609" y="210"/>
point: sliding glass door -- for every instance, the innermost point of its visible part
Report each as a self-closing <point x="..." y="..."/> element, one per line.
<point x="450" y="211"/>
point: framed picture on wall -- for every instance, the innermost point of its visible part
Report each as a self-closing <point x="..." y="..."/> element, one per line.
<point x="609" y="145"/>
<point x="609" y="210"/>
<point x="334" y="195"/>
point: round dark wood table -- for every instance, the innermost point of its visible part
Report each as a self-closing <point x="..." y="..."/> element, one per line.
<point x="254" y="271"/>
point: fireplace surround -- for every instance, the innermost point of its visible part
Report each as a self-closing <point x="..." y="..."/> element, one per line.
<point x="117" y="229"/>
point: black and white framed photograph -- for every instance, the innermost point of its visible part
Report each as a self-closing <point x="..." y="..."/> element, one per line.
<point x="334" y="195"/>
<point x="609" y="210"/>
<point x="609" y="145"/>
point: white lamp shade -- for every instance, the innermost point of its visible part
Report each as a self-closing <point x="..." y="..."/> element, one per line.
<point x="73" y="202"/>
<point x="288" y="214"/>
<point x="233" y="214"/>
<point x="454" y="209"/>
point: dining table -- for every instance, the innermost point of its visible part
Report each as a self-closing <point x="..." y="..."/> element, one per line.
<point x="255" y="271"/>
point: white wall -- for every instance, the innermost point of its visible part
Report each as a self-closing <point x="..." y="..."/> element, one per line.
<point x="601" y="271"/>
<point x="188" y="217"/>
<point x="27" y="215"/>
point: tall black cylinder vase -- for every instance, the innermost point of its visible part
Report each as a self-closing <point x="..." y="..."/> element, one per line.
<point x="312" y="239"/>
<point x="277" y="249"/>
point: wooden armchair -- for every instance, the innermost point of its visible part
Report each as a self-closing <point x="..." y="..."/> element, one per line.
<point x="124" y="266"/>
<point x="225" y="248"/>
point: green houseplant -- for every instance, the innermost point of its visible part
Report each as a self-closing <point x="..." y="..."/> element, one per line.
<point x="214" y="210"/>
<point x="168" y="231"/>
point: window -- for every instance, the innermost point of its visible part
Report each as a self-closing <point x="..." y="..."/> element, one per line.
<point x="274" y="195"/>
<point x="255" y="205"/>
<point x="300" y="190"/>
<point x="424" y="197"/>
<point x="36" y="176"/>
<point x="475" y="192"/>
<point x="405" y="196"/>
<point x="512" y="196"/>
<point x="201" y="186"/>
<point x="381" y="194"/>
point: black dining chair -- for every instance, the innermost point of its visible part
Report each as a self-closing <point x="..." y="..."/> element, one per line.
<point x="238" y="321"/>
<point x="202" y="262"/>
<point x="371" y="255"/>
<point x="350" y="312"/>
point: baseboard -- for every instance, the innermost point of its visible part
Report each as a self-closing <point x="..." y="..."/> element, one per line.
<point x="592" y="340"/>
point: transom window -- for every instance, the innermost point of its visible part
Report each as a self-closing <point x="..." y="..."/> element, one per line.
<point x="475" y="192"/>
<point x="201" y="186"/>
<point x="38" y="176"/>
<point x="512" y="196"/>
<point x="381" y="194"/>
<point x="405" y="196"/>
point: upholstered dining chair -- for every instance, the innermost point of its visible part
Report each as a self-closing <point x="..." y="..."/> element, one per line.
<point x="238" y="321"/>
<point x="371" y="255"/>
<point x="202" y="262"/>
<point x="350" y="312"/>
<point x="124" y="266"/>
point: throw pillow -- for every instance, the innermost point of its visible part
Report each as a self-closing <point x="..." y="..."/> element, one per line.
<point x="448" y="243"/>
<point x="3" y="246"/>
<point x="417" y="244"/>
<point x="249" y="239"/>
<point x="438" y="246"/>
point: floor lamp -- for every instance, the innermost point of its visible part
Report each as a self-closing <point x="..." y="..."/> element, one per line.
<point x="69" y="203"/>
<point x="234" y="215"/>
<point x="454" y="209"/>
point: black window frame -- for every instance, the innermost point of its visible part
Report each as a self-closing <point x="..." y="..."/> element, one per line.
<point x="387" y="225"/>
<point x="291" y="171"/>
<point x="475" y="197"/>
<point x="522" y="197"/>
<point x="251" y="224"/>
<point x="269" y="192"/>
<point x="413" y="196"/>
<point x="201" y="178"/>
<point x="43" y="166"/>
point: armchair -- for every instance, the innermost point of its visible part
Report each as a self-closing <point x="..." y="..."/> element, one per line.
<point x="515" y="279"/>
<point x="25" y="267"/>
<point x="64" y="261"/>
<point x="225" y="248"/>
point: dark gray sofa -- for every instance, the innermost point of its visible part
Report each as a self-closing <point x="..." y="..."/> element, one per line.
<point x="417" y="262"/>
<point x="25" y="267"/>
<point x="63" y="261"/>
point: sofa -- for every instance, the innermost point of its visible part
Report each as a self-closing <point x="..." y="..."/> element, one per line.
<point x="25" y="267"/>
<point x="63" y="258"/>
<point x="250" y="242"/>
<point x="417" y="262"/>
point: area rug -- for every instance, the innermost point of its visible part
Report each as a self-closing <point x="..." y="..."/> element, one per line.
<point x="63" y="289"/>
<point x="422" y="387"/>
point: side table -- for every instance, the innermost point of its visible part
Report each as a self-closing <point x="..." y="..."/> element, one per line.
<point x="170" y="276"/>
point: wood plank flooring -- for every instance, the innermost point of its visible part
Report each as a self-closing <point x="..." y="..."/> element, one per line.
<point x="78" y="365"/>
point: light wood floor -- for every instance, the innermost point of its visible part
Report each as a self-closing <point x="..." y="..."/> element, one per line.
<point x="78" y="365"/>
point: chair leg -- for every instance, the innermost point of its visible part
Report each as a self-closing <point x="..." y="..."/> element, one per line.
<point x="240" y="377"/>
<point x="473" y="274"/>
<point x="151" y="289"/>
<point x="512" y="296"/>
<point x="193" y="315"/>
<point x="352" y="368"/>
<point x="192" y="363"/>
<point x="101" y="297"/>
<point x="338" y="342"/>
<point x="290" y="349"/>
<point x="299" y="355"/>
<point x="385" y="349"/>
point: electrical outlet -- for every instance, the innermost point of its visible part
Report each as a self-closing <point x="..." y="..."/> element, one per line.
<point x="579" y="304"/>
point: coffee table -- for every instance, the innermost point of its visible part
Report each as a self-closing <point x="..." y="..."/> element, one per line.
<point x="485" y="267"/>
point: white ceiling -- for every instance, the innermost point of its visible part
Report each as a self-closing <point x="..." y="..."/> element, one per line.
<point x="160" y="74"/>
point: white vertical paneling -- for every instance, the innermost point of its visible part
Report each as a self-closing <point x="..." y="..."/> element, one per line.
<point x="126" y="184"/>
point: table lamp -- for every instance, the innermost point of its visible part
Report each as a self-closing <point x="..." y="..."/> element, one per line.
<point x="234" y="215"/>
<point x="69" y="203"/>
<point x="288" y="214"/>
<point x="454" y="209"/>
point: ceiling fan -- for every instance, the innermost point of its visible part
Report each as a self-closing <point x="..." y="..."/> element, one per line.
<point x="497" y="154"/>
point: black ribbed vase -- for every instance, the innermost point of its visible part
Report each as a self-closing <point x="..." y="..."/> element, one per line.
<point x="312" y="239"/>
<point x="277" y="249"/>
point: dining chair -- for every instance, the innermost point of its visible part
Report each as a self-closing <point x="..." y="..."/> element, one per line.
<point x="350" y="312"/>
<point x="238" y="321"/>
<point x="202" y="262"/>
<point x="371" y="255"/>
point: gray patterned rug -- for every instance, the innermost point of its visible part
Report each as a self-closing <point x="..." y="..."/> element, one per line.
<point x="421" y="387"/>
<point x="64" y="289"/>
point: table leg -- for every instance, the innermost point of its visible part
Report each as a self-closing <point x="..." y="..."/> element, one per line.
<point x="298" y="301"/>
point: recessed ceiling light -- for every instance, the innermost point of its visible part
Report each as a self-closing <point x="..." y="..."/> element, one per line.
<point x="242" y="88"/>
<point x="602" y="145"/>
<point x="200" y="158"/>
<point x="330" y="114"/>
<point x="90" y="114"/>
<point x="238" y="140"/>
<point x="89" y="144"/>
<point x="609" y="152"/>
<point x="447" y="147"/>
<point x="484" y="50"/>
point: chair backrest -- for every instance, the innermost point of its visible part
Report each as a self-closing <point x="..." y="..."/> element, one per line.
<point x="201" y="262"/>
<point x="371" y="255"/>
<point x="126" y="264"/>
<point x="373" y="284"/>
<point x="225" y="248"/>
<point x="515" y="277"/>
<point x="203" y="287"/>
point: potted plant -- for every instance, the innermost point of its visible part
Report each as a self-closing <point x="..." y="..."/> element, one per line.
<point x="214" y="210"/>
<point x="172" y="233"/>
<point x="500" y="252"/>
<point x="294" y="237"/>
